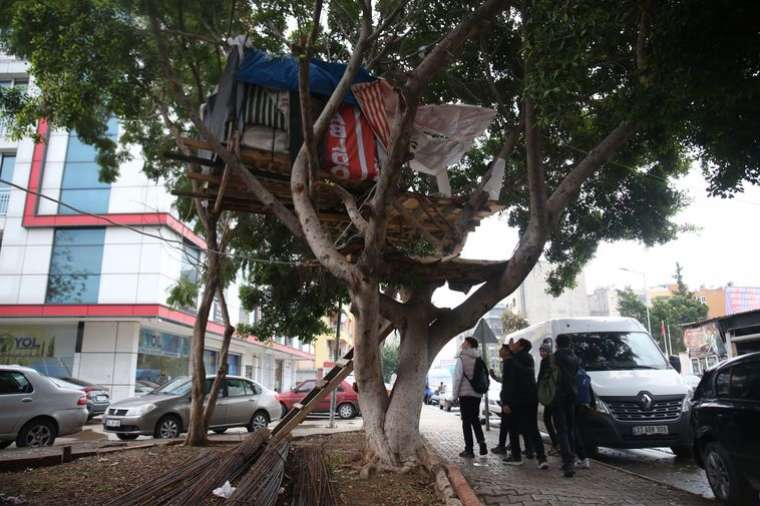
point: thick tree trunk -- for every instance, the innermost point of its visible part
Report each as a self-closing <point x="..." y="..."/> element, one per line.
<point x="213" y="394"/>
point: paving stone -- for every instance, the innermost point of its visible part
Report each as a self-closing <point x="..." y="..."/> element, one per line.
<point x="498" y="484"/>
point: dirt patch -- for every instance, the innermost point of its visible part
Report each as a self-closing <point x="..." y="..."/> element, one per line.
<point x="94" y="480"/>
<point x="343" y="454"/>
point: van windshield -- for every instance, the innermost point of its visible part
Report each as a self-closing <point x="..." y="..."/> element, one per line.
<point x="616" y="351"/>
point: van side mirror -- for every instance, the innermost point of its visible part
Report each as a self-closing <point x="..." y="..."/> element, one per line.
<point x="675" y="361"/>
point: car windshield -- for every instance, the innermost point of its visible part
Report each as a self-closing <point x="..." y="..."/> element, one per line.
<point x="617" y="351"/>
<point x="178" y="386"/>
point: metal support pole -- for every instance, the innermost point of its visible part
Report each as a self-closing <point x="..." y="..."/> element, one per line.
<point x="488" y="412"/>
<point x="670" y="341"/>
<point x="336" y="356"/>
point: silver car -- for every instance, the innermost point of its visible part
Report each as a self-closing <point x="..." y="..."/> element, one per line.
<point x="165" y="412"/>
<point x="34" y="411"/>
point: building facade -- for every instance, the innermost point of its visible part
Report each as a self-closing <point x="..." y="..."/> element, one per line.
<point x="729" y="300"/>
<point x="532" y="302"/>
<point x="86" y="268"/>
<point x="324" y="345"/>
<point x="604" y="301"/>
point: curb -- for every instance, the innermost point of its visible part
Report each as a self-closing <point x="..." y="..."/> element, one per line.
<point x="647" y="478"/>
<point x="462" y="487"/>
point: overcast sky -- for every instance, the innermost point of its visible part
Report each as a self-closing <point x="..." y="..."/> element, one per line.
<point x="725" y="248"/>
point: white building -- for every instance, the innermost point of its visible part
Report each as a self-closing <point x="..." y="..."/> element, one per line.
<point x="90" y="290"/>
<point x="604" y="301"/>
<point x="532" y="302"/>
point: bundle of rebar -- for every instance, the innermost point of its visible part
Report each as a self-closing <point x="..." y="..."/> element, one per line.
<point x="261" y="484"/>
<point x="312" y="486"/>
<point x="230" y="465"/>
<point x="157" y="490"/>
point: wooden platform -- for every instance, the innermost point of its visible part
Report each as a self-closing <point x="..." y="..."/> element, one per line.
<point x="412" y="216"/>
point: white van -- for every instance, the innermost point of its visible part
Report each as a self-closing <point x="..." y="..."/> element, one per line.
<point x="642" y="402"/>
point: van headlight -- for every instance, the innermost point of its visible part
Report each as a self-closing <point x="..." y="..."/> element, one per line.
<point x="142" y="410"/>
<point x="686" y="406"/>
<point x="601" y="407"/>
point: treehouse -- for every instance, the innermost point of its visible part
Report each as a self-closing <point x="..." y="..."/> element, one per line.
<point x="255" y="113"/>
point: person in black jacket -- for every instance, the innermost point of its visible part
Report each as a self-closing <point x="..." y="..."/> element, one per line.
<point x="520" y="399"/>
<point x="507" y="428"/>
<point x="543" y="371"/>
<point x="564" y="403"/>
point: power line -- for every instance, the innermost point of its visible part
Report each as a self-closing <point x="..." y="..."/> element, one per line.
<point x="174" y="243"/>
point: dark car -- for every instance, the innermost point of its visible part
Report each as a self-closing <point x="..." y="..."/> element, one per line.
<point x="98" y="398"/>
<point x="725" y="418"/>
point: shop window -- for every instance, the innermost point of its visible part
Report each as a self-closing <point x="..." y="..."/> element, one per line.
<point x="75" y="265"/>
<point x="162" y="357"/>
<point x="81" y="187"/>
<point x="210" y="361"/>
<point x="233" y="365"/>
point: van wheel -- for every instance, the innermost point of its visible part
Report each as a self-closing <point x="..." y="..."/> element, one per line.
<point x="682" y="452"/>
<point x="168" y="427"/>
<point x="728" y="485"/>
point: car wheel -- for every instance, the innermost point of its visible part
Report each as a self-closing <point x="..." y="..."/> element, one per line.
<point x="220" y="430"/>
<point x="5" y="444"/>
<point x="681" y="452"/>
<point x="168" y="427"/>
<point x="346" y="411"/>
<point x="259" y="420"/>
<point x="727" y="484"/>
<point x="36" y="433"/>
<point x="127" y="437"/>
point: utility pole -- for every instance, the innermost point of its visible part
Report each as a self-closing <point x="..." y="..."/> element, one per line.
<point x="670" y="342"/>
<point x="336" y="356"/>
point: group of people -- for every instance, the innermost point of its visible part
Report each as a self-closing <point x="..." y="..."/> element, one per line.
<point x="562" y="387"/>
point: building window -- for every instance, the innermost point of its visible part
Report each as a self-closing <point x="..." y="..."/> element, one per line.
<point x="7" y="164"/>
<point x="191" y="260"/>
<point x="161" y="357"/>
<point x="81" y="186"/>
<point x="210" y="361"/>
<point x="233" y="365"/>
<point x="75" y="265"/>
<point x="20" y="84"/>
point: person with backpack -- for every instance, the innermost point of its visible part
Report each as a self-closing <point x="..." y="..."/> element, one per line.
<point x="470" y="383"/>
<point x="520" y="399"/>
<point x="563" y="407"/>
<point x="548" y="378"/>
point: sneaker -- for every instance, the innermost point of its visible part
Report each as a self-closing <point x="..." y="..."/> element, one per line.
<point x="583" y="463"/>
<point x="499" y="450"/>
<point x="467" y="454"/>
<point x="542" y="464"/>
<point x="483" y="449"/>
<point x="513" y="462"/>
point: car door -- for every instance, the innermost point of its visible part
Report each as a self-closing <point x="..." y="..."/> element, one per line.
<point x="17" y="401"/>
<point x="239" y="402"/>
<point x="219" y="416"/>
<point x="744" y="420"/>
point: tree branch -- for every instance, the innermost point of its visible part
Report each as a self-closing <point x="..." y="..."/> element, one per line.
<point x="535" y="166"/>
<point x="350" y="203"/>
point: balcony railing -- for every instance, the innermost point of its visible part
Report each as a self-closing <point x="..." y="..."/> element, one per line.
<point x="5" y="197"/>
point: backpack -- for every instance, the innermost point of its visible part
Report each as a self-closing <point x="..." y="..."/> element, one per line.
<point x="548" y="383"/>
<point x="480" y="380"/>
<point x="583" y="382"/>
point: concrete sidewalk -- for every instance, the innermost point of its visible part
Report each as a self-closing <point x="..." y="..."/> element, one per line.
<point x="496" y="483"/>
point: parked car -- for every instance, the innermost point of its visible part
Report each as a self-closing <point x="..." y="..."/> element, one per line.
<point x="725" y="417"/>
<point x="34" y="410"/>
<point x="165" y="412"/>
<point x="98" y="399"/>
<point x="346" y="400"/>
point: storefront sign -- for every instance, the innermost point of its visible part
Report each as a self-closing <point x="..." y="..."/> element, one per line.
<point x="26" y="343"/>
<point x="164" y="345"/>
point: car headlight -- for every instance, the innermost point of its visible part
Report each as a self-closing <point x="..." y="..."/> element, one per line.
<point x="142" y="410"/>
<point x="601" y="407"/>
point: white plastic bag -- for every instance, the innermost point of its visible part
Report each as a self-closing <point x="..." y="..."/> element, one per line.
<point x="224" y="491"/>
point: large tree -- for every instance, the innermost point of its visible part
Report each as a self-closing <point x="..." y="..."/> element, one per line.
<point x="600" y="104"/>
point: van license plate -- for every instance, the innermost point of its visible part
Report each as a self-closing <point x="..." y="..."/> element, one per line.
<point x="113" y="423"/>
<point x="650" y="430"/>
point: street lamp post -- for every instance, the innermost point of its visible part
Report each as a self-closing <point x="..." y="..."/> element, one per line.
<point x="646" y="294"/>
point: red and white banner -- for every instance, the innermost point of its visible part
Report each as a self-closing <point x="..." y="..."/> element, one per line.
<point x="350" y="148"/>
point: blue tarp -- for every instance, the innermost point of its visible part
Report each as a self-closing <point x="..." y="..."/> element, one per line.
<point x="281" y="73"/>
